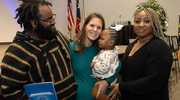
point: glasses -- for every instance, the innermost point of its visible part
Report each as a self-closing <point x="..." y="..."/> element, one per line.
<point x="51" y="20"/>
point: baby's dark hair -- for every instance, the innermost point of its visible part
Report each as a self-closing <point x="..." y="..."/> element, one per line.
<point x="114" y="35"/>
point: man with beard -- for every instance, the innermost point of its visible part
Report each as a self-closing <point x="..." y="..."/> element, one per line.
<point x="38" y="54"/>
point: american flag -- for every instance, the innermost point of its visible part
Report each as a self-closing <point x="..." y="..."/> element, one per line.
<point x="78" y="17"/>
<point x="70" y="17"/>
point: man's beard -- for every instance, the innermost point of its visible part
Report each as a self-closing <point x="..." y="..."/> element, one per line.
<point x="45" y="33"/>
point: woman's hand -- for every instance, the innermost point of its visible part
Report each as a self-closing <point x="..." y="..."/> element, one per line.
<point x="103" y="86"/>
<point x="115" y="91"/>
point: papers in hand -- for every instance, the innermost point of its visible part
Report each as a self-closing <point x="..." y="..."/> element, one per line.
<point x="40" y="91"/>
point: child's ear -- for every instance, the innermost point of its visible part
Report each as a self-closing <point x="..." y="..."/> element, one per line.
<point x="111" y="42"/>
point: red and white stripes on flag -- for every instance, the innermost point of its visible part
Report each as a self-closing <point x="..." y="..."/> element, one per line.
<point x="70" y="17"/>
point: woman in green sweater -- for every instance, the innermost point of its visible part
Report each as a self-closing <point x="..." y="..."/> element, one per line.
<point x="83" y="49"/>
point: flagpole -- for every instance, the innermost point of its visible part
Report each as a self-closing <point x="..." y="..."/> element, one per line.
<point x="70" y="18"/>
<point x="83" y="10"/>
<point x="70" y="36"/>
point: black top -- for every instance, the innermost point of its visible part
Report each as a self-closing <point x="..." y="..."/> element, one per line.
<point x="145" y="74"/>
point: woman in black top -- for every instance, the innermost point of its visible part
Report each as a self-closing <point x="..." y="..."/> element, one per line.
<point x="146" y="63"/>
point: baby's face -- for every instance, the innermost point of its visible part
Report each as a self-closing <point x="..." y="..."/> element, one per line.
<point x="104" y="39"/>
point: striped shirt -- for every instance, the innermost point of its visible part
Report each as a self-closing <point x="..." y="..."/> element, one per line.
<point x="33" y="61"/>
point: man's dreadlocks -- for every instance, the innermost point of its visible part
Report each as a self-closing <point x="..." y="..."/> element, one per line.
<point x="29" y="10"/>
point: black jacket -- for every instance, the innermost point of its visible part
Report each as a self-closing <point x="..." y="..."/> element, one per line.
<point x="145" y="74"/>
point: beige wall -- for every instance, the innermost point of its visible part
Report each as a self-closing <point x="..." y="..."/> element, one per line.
<point x="110" y="9"/>
<point x="3" y="48"/>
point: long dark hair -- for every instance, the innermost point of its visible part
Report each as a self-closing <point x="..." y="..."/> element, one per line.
<point x="155" y="23"/>
<point x="80" y="37"/>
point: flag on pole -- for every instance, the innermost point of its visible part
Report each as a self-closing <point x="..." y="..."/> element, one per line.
<point x="70" y="17"/>
<point x="78" y="17"/>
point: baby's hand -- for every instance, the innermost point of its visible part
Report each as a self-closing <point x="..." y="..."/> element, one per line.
<point x="92" y="64"/>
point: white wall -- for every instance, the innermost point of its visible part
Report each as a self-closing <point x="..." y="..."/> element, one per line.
<point x="173" y="11"/>
<point x="110" y="9"/>
<point x="8" y="25"/>
<point x="59" y="7"/>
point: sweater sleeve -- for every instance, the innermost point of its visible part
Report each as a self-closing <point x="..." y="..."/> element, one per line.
<point x="157" y="70"/>
<point x="112" y="78"/>
<point x="13" y="77"/>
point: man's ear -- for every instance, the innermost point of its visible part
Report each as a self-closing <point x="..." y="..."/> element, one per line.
<point x="111" y="42"/>
<point x="34" y="23"/>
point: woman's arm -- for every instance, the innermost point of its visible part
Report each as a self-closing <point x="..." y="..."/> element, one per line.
<point x="103" y="85"/>
<point x="112" y="78"/>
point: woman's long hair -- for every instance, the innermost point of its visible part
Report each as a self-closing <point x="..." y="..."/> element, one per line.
<point x="80" y="37"/>
<point x="155" y="22"/>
